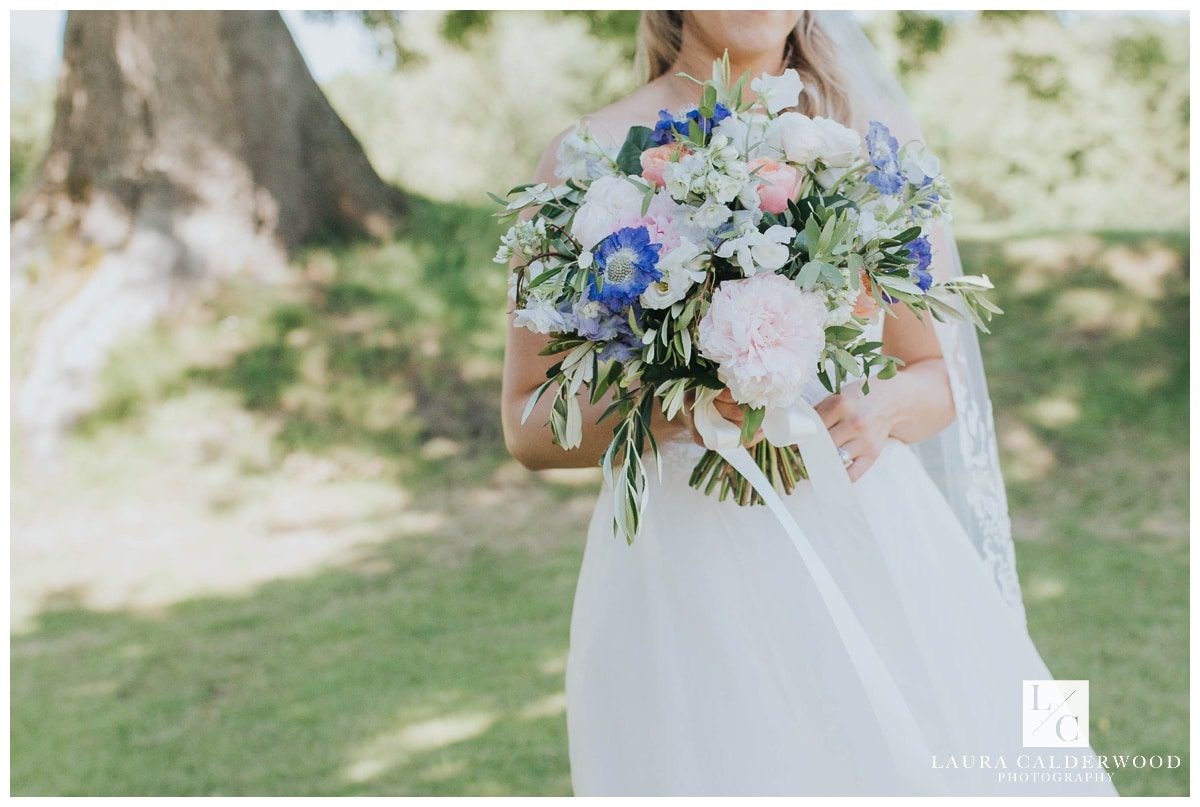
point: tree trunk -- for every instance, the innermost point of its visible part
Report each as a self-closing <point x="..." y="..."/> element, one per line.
<point x="187" y="147"/>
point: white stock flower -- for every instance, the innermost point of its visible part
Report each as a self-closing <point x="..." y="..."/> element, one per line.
<point x="873" y="219"/>
<point x="581" y="157"/>
<point x="839" y="146"/>
<point x="918" y="165"/>
<point x="681" y="268"/>
<point x="537" y="194"/>
<point x="539" y="316"/>
<point x="609" y="204"/>
<point x="745" y="132"/>
<point x="778" y="92"/>
<point x="709" y="216"/>
<point x="756" y="251"/>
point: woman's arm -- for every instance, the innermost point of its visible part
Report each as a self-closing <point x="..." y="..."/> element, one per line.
<point x="531" y="443"/>
<point x="911" y="406"/>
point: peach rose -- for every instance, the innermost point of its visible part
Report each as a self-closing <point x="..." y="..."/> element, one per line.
<point x="778" y="184"/>
<point x="654" y="161"/>
<point x="865" y="306"/>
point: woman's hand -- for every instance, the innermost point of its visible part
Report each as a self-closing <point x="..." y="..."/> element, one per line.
<point x="730" y="410"/>
<point x="859" y="425"/>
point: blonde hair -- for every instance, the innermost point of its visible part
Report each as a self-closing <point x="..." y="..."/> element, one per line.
<point x="809" y="51"/>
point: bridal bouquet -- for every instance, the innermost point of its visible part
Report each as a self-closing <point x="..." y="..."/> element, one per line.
<point x="733" y="245"/>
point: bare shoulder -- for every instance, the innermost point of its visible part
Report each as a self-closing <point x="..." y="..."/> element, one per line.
<point x="610" y="124"/>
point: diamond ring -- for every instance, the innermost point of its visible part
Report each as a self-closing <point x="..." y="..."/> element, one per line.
<point x="845" y="456"/>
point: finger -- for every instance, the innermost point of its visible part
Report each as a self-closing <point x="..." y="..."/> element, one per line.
<point x="725" y="396"/>
<point x="860" y="466"/>
<point x="830" y="410"/>
<point x="756" y="439"/>
<point x="730" y="411"/>
<point x="863" y="455"/>
<point x="843" y="432"/>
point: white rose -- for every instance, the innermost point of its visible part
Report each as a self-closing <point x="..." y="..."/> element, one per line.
<point x="796" y="137"/>
<point x="610" y="203"/>
<point x="778" y="92"/>
<point x="840" y="146"/>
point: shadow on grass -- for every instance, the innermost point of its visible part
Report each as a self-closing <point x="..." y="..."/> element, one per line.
<point x="398" y="678"/>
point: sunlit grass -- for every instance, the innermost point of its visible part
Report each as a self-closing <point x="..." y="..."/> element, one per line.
<point x="370" y="598"/>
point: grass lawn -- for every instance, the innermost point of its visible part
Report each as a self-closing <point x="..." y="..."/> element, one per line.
<point x="289" y="556"/>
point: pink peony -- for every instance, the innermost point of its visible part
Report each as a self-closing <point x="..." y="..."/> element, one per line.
<point x="766" y="336"/>
<point x="778" y="183"/>
<point x="655" y="161"/>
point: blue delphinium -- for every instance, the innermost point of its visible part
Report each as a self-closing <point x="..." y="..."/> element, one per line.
<point x="594" y="321"/>
<point x="884" y="151"/>
<point x="706" y="125"/>
<point x="623" y="347"/>
<point x="921" y="251"/>
<point x="667" y="127"/>
<point x="626" y="264"/>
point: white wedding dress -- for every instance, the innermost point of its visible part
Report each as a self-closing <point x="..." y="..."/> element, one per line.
<point x="703" y="661"/>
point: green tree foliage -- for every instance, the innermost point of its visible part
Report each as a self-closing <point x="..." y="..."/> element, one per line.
<point x="921" y="35"/>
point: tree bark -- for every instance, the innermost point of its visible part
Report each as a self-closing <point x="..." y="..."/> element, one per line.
<point x="187" y="147"/>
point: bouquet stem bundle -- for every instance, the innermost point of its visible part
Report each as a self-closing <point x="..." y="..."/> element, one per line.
<point x="782" y="465"/>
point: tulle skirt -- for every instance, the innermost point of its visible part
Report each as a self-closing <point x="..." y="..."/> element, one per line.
<point x="704" y="662"/>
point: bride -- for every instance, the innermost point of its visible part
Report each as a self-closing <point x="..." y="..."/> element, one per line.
<point x="706" y="658"/>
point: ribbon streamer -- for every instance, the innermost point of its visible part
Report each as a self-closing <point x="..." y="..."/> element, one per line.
<point x="800" y="425"/>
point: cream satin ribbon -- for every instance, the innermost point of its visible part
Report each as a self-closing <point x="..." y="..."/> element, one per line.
<point x="801" y="426"/>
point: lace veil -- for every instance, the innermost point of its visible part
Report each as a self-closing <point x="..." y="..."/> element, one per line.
<point x="963" y="459"/>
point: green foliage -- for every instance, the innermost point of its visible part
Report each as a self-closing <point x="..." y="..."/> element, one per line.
<point x="31" y="113"/>
<point x="1041" y="74"/>
<point x="458" y="26"/>
<point x="638" y="140"/>
<point x="1037" y="128"/>
<point x="920" y="35"/>
<point x="1000" y="17"/>
<point x="615" y="26"/>
<point x="1140" y="57"/>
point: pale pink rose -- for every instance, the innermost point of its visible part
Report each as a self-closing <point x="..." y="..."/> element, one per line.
<point x="778" y="183"/>
<point x="655" y="161"/>
<point x="766" y="336"/>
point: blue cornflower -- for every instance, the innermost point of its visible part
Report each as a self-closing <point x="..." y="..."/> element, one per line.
<point x="921" y="251"/>
<point x="628" y="263"/>
<point x="884" y="151"/>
